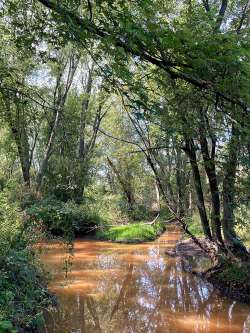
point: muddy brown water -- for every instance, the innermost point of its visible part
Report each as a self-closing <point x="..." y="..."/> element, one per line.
<point x="105" y="287"/>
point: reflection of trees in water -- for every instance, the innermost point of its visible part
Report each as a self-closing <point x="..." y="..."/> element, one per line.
<point x="153" y="296"/>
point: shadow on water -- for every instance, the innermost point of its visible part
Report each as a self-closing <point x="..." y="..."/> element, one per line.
<point x="118" y="288"/>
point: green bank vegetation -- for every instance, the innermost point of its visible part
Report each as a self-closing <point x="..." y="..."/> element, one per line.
<point x="23" y="284"/>
<point x="132" y="233"/>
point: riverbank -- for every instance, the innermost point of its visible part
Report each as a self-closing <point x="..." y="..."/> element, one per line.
<point x="132" y="233"/>
<point x="230" y="279"/>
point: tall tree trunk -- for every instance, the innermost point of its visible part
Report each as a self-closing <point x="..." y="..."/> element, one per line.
<point x="25" y="161"/>
<point x="230" y="170"/>
<point x="162" y="174"/>
<point x="157" y="197"/>
<point x="180" y="183"/>
<point x="16" y="121"/>
<point x="60" y="95"/>
<point x="209" y="164"/>
<point x="85" y="106"/>
<point x="83" y="149"/>
<point x="190" y="150"/>
<point x="48" y="150"/>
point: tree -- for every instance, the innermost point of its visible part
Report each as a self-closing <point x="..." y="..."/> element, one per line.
<point x="66" y="64"/>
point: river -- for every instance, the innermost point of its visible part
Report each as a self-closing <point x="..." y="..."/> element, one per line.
<point x="105" y="287"/>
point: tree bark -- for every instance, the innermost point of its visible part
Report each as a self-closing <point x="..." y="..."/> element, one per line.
<point x="16" y="122"/>
<point x="190" y="150"/>
<point x="215" y="198"/>
<point x="83" y="147"/>
<point x="85" y="106"/>
<point x="209" y="165"/>
<point x="221" y="14"/>
<point x="48" y="150"/>
<point x="181" y="184"/>
<point x="60" y="96"/>
<point x="230" y="170"/>
<point x="157" y="197"/>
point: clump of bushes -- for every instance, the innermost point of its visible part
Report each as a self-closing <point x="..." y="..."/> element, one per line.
<point x="23" y="292"/>
<point x="66" y="219"/>
<point x="134" y="232"/>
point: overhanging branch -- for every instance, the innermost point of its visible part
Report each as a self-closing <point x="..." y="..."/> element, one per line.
<point x="175" y="70"/>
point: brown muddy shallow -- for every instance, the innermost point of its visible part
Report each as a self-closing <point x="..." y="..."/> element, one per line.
<point x="105" y="287"/>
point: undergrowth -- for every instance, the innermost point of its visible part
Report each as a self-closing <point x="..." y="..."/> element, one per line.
<point x="23" y="292"/>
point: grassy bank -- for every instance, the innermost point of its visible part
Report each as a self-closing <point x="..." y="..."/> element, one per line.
<point x="132" y="233"/>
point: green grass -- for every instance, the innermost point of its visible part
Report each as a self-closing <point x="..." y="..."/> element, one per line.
<point x="194" y="226"/>
<point x="243" y="233"/>
<point x="136" y="232"/>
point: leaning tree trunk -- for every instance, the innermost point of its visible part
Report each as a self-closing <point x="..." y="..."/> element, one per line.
<point x="230" y="170"/>
<point x="190" y="150"/>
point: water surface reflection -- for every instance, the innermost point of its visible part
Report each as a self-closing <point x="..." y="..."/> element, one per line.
<point x="116" y="288"/>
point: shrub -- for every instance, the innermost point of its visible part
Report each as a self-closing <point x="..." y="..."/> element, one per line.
<point x="10" y="225"/>
<point x="23" y="292"/>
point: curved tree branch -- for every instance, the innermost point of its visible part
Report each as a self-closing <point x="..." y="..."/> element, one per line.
<point x="175" y="70"/>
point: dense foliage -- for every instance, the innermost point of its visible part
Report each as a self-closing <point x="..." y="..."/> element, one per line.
<point x="23" y="292"/>
<point x="63" y="219"/>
